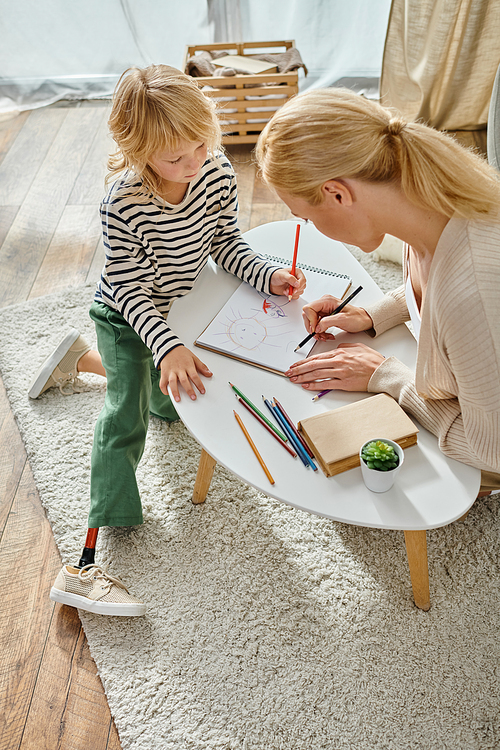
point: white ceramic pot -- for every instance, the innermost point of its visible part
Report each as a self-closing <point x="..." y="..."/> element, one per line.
<point x="381" y="481"/>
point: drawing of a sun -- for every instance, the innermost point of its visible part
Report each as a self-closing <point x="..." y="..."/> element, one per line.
<point x="247" y="333"/>
<point x="252" y="334"/>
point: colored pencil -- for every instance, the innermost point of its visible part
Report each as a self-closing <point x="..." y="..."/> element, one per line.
<point x="300" y="451"/>
<point x="295" y="442"/>
<point x="271" y="432"/>
<point x="320" y="394"/>
<point x="268" y="404"/>
<point x="298" y="447"/>
<point x="339" y="308"/>
<point x="252" y="445"/>
<point x="294" y="261"/>
<point x="295" y="430"/>
<point x="294" y="439"/>
<point x="257" y="411"/>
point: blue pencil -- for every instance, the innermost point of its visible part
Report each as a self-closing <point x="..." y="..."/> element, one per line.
<point x="293" y="428"/>
<point x="284" y="426"/>
<point x="292" y="440"/>
<point x="292" y="436"/>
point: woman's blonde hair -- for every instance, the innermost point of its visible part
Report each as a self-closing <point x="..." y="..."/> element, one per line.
<point x="153" y="109"/>
<point x="334" y="133"/>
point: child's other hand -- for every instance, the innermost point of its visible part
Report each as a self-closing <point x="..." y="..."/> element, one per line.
<point x="181" y="367"/>
<point x="282" y="278"/>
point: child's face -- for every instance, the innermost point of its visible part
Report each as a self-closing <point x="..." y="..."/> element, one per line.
<point x="181" y="165"/>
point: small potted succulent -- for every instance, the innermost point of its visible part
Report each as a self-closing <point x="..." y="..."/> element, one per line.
<point x="381" y="460"/>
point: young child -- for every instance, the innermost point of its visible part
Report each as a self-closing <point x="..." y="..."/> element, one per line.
<point x="172" y="204"/>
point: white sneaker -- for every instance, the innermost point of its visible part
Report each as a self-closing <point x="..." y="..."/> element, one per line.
<point x="61" y="367"/>
<point x="94" y="590"/>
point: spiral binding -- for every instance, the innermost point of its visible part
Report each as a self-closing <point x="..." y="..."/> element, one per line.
<point x="306" y="267"/>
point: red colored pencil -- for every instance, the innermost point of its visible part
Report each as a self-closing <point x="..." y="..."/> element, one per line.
<point x="280" y="441"/>
<point x="294" y="261"/>
<point x="294" y="429"/>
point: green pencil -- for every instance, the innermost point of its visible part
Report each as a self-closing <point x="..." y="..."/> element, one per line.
<point x="257" y="411"/>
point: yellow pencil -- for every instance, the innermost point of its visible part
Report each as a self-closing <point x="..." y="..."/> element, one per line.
<point x="252" y="445"/>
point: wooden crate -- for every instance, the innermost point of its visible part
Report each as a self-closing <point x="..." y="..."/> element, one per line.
<point x="244" y="104"/>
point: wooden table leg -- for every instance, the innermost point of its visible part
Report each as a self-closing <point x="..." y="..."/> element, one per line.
<point x="416" y="550"/>
<point x="203" y="477"/>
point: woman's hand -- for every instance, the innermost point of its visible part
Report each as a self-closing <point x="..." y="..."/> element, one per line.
<point x="282" y="279"/>
<point x="318" y="317"/>
<point x="349" y="367"/>
<point x="181" y="367"/>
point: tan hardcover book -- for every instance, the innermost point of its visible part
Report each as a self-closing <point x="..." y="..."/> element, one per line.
<point x="336" y="436"/>
<point x="245" y="64"/>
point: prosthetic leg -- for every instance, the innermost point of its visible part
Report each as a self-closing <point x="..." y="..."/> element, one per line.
<point x="88" y="554"/>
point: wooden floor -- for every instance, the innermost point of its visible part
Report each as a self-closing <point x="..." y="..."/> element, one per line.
<point x="52" y="166"/>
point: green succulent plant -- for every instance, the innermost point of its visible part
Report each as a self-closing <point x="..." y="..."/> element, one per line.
<point x="380" y="456"/>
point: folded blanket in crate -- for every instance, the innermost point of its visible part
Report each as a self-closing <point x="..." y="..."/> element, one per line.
<point x="201" y="64"/>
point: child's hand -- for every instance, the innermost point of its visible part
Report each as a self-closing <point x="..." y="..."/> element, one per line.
<point x="181" y="367"/>
<point x="282" y="278"/>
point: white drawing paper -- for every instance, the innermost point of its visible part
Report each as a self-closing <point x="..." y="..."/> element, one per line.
<point x="264" y="329"/>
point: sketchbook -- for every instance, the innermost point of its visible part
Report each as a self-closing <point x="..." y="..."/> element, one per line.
<point x="263" y="329"/>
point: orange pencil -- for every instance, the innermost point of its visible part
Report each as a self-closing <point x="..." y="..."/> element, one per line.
<point x="252" y="445"/>
<point x="294" y="261"/>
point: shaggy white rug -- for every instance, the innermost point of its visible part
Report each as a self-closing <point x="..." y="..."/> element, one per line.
<point x="267" y="628"/>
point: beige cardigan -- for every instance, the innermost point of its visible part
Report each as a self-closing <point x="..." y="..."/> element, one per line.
<point x="455" y="391"/>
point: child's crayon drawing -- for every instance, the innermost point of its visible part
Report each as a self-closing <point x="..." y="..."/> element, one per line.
<point x="264" y="329"/>
<point x="255" y="332"/>
<point x="258" y="327"/>
<point x="274" y="307"/>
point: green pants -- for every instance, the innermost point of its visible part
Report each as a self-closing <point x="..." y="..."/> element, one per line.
<point x="132" y="393"/>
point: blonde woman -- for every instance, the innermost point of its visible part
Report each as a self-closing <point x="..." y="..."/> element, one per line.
<point x="172" y="203"/>
<point x="358" y="172"/>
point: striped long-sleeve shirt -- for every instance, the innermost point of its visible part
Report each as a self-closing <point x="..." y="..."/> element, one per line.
<point x="155" y="251"/>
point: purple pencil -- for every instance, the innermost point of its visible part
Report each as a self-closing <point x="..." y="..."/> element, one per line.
<point x="321" y="393"/>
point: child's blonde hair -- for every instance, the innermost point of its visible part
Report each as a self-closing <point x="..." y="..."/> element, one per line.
<point x="154" y="108"/>
<point x="334" y="133"/>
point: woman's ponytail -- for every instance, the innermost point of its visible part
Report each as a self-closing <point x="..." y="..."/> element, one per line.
<point x="334" y="133"/>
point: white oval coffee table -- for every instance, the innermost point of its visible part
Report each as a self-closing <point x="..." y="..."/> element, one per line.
<point x="431" y="490"/>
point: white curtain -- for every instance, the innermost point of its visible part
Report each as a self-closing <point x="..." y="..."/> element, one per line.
<point x="337" y="39"/>
<point x="77" y="49"/>
<point x="54" y="49"/>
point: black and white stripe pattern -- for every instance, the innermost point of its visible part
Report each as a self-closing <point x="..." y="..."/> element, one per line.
<point x="155" y="251"/>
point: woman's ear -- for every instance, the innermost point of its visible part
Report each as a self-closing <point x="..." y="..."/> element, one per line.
<point x="338" y="191"/>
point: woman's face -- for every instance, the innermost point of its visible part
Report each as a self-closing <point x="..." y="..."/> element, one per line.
<point x="341" y="216"/>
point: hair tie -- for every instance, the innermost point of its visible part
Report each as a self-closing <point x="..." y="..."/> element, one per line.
<point x="395" y="126"/>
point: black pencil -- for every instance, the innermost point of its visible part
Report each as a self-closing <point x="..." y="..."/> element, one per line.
<point x="339" y="308"/>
